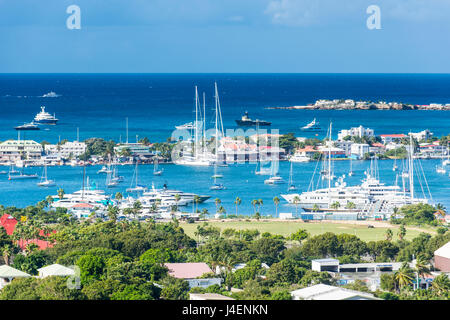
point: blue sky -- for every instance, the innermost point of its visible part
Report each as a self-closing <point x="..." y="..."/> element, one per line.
<point x="225" y="36"/>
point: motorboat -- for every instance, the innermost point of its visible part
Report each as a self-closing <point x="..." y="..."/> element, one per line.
<point x="44" y="117"/>
<point x="245" y="121"/>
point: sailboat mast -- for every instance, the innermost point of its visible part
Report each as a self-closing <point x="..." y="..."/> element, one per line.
<point x="217" y="131"/>
<point x="204" y="125"/>
<point x="411" y="167"/>
<point x="329" y="162"/>
<point x="196" y="123"/>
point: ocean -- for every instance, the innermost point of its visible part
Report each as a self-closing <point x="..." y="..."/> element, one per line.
<point x="98" y="104"/>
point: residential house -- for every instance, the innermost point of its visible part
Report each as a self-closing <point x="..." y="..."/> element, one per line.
<point x="388" y="138"/>
<point x="191" y="272"/>
<point x="55" y="270"/>
<point x="442" y="258"/>
<point x="327" y="292"/>
<point x="7" y="274"/>
<point x="208" y="296"/>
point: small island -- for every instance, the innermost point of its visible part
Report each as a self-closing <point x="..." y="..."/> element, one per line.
<point x="349" y="104"/>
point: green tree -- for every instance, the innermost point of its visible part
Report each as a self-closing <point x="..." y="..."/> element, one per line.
<point x="237" y="203"/>
<point x="91" y="268"/>
<point x="174" y="289"/>
<point x="276" y="201"/>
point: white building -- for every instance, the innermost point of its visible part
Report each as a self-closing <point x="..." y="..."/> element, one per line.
<point x="360" y="149"/>
<point x="344" y="145"/>
<point x="326" y="292"/>
<point x="13" y="150"/>
<point x="66" y="150"/>
<point x="7" y="274"/>
<point x="388" y="138"/>
<point x="55" y="270"/>
<point x="356" y="132"/>
<point x="422" y="135"/>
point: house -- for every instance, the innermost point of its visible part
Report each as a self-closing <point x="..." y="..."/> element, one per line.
<point x="345" y="145"/>
<point x="326" y="292"/>
<point x="82" y="210"/>
<point x="191" y="272"/>
<point x="422" y="135"/>
<point x="360" y="149"/>
<point x="356" y="132"/>
<point x="208" y="296"/>
<point x="7" y="274"/>
<point x="335" y="153"/>
<point x="307" y="151"/>
<point x="388" y="138"/>
<point x="66" y="150"/>
<point x="442" y="258"/>
<point x="55" y="270"/>
<point x="377" y="147"/>
<point x="13" y="150"/>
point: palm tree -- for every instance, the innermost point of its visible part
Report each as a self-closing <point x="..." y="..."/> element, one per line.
<point x="7" y="252"/>
<point x="441" y="284"/>
<point x="237" y="202"/>
<point x="276" y="201"/>
<point x="177" y="199"/>
<point x="254" y="203"/>
<point x="137" y="207"/>
<point x="421" y="268"/>
<point x="335" y="205"/>
<point x="401" y="232"/>
<point x="260" y="203"/>
<point x="113" y="212"/>
<point x="315" y="208"/>
<point x="296" y="201"/>
<point x="118" y="196"/>
<point x="196" y="202"/>
<point x="440" y="210"/>
<point x="49" y="200"/>
<point x="61" y="193"/>
<point x="217" y="201"/>
<point x="404" y="276"/>
<point x="389" y="234"/>
<point x="350" y="205"/>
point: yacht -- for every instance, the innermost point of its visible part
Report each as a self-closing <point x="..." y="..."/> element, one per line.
<point x="28" y="126"/>
<point x="105" y="169"/>
<point x="217" y="186"/>
<point x="44" y="181"/>
<point x="96" y="198"/>
<point x="186" y="126"/>
<point x="312" y="126"/>
<point x="44" y="117"/>
<point x="299" y="158"/>
<point x="245" y="121"/>
<point x="274" y="180"/>
<point x="156" y="170"/>
<point x="19" y="175"/>
<point x="137" y="187"/>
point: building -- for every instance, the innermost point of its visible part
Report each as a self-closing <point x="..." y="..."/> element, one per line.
<point x="326" y="292"/>
<point x="8" y="222"/>
<point x="360" y="149"/>
<point x="55" y="270"/>
<point x="388" y="138"/>
<point x="208" y="296"/>
<point x="191" y="272"/>
<point x="136" y="149"/>
<point x="66" y="150"/>
<point x="307" y="151"/>
<point x="334" y="152"/>
<point x="7" y="274"/>
<point x="422" y="135"/>
<point x="333" y="265"/>
<point x="13" y="150"/>
<point x="377" y="147"/>
<point x="356" y="132"/>
<point x="442" y="258"/>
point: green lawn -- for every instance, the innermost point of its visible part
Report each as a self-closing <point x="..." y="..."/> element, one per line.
<point x="285" y="228"/>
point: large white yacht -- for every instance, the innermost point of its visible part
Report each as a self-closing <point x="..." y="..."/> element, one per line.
<point x="44" y="117"/>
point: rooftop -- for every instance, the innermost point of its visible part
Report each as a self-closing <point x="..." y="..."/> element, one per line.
<point x="443" y="251"/>
<point x="326" y="292"/>
<point x="189" y="270"/>
<point x="56" y="270"/>
<point x="208" y="296"/>
<point x="10" y="272"/>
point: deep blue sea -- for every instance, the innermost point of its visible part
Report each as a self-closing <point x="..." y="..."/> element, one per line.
<point x="98" y="104"/>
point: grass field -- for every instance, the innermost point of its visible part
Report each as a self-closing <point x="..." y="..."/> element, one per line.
<point x="286" y="228"/>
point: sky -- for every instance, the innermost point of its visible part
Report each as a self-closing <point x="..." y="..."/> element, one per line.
<point x="225" y="36"/>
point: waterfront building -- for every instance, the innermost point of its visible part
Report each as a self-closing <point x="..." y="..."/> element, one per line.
<point x="360" y="149"/>
<point x="307" y="151"/>
<point x="422" y="135"/>
<point x="66" y="150"/>
<point x="136" y="149"/>
<point x="377" y="147"/>
<point x="388" y="138"/>
<point x="356" y="132"/>
<point x="14" y="150"/>
<point x="335" y="153"/>
<point x="345" y="145"/>
<point x="442" y="258"/>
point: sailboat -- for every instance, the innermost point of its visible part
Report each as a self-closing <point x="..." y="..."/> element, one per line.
<point x="156" y="171"/>
<point x="350" y="173"/>
<point x="217" y="186"/>
<point x="16" y="175"/>
<point x="44" y="181"/>
<point x="115" y="176"/>
<point x="447" y="162"/>
<point x="291" y="186"/>
<point x="312" y="126"/>
<point x="327" y="174"/>
<point x="441" y="168"/>
<point x="395" y="167"/>
<point x="110" y="182"/>
<point x="274" y="178"/>
<point x="137" y="188"/>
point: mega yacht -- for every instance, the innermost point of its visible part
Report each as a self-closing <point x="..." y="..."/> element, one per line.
<point x="94" y="197"/>
<point x="245" y="121"/>
<point x="28" y="126"/>
<point x="44" y="117"/>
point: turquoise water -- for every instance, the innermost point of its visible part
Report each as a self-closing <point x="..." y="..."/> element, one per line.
<point x="239" y="180"/>
<point x="98" y="104"/>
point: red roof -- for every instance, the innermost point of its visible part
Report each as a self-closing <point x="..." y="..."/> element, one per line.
<point x="42" y="244"/>
<point x="9" y="223"/>
<point x="189" y="270"/>
<point x="377" y="144"/>
<point x="307" y="149"/>
<point x="401" y="135"/>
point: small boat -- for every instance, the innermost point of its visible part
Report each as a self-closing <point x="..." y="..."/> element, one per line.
<point x="21" y="176"/>
<point x="186" y="126"/>
<point x="104" y="169"/>
<point x="350" y="173"/>
<point x="441" y="170"/>
<point x="217" y="186"/>
<point x="299" y="158"/>
<point x="291" y="187"/>
<point x="312" y="126"/>
<point x="274" y="180"/>
<point x="156" y="171"/>
<point x="246" y="121"/>
<point x="137" y="187"/>
<point x="3" y="172"/>
<point x="44" y="181"/>
<point x="28" y="126"/>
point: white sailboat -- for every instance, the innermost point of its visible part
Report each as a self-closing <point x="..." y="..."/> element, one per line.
<point x="447" y="161"/>
<point x="44" y="181"/>
<point x="217" y="186"/>
<point x="16" y="175"/>
<point x="274" y="178"/>
<point x="137" y="188"/>
<point x="441" y="169"/>
<point x="156" y="170"/>
<point x="291" y="185"/>
<point x="350" y="173"/>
